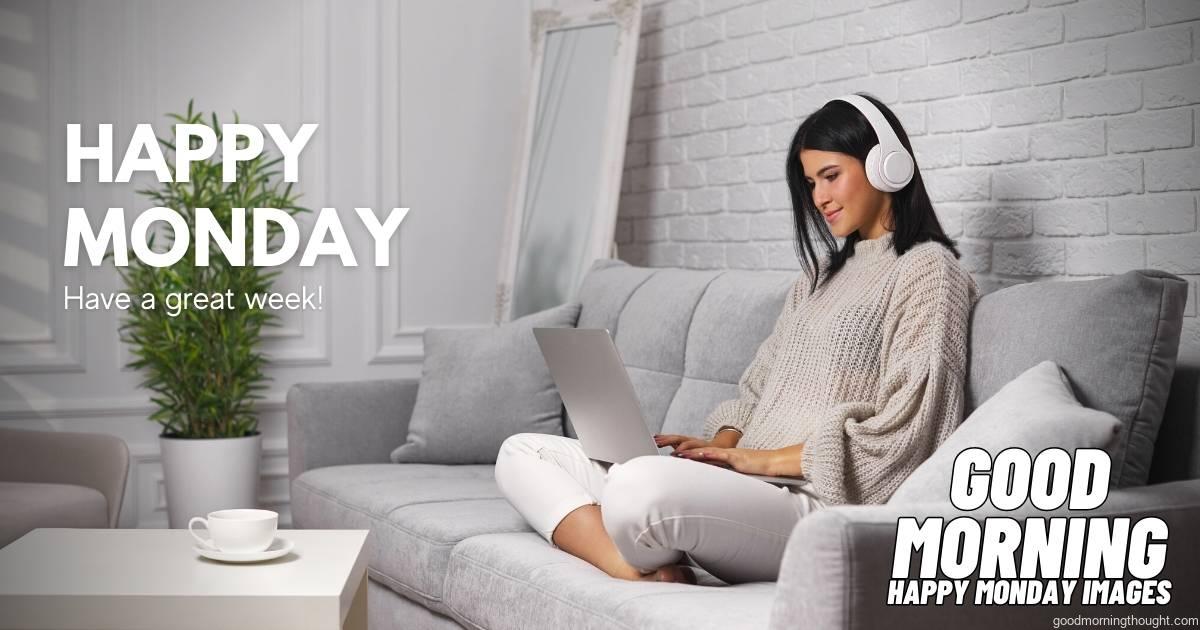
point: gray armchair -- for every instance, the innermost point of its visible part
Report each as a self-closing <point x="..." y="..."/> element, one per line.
<point x="59" y="479"/>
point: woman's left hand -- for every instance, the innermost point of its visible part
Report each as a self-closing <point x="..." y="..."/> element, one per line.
<point x="751" y="461"/>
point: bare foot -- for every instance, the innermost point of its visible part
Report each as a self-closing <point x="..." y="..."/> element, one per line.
<point x="672" y="573"/>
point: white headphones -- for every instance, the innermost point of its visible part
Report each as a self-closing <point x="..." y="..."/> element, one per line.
<point x="889" y="166"/>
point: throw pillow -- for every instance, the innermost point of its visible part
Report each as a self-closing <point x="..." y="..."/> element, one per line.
<point x="1034" y="411"/>
<point x="479" y="386"/>
<point x="1117" y="337"/>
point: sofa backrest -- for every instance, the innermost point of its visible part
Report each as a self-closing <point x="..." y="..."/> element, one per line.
<point x="686" y="336"/>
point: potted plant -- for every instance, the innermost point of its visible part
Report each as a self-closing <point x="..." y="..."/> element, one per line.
<point x="204" y="367"/>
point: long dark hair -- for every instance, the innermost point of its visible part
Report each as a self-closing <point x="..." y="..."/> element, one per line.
<point x="839" y="127"/>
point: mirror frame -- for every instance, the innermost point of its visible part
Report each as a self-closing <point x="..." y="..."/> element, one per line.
<point x="627" y="15"/>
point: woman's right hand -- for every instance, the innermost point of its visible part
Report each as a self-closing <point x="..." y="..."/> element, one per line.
<point x="723" y="439"/>
<point x="680" y="442"/>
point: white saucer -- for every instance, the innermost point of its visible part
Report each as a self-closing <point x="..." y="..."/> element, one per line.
<point x="279" y="547"/>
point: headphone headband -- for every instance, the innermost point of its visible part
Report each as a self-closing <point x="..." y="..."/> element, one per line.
<point x="887" y="135"/>
<point x="889" y="166"/>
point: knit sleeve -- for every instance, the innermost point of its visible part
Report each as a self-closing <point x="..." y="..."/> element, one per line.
<point x="862" y="451"/>
<point x="736" y="412"/>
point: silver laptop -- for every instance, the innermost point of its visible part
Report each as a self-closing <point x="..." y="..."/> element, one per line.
<point x="600" y="398"/>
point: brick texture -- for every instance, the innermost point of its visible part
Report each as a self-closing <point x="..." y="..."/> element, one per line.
<point x="1056" y="139"/>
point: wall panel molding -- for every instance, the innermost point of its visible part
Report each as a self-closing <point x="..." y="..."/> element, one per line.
<point x="60" y="349"/>
<point x="391" y="343"/>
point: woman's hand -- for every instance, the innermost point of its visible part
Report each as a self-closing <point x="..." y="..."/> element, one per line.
<point x="780" y="462"/>
<point x="678" y="441"/>
<point x="723" y="439"/>
<point x="751" y="461"/>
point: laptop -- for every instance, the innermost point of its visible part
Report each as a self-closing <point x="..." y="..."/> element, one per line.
<point x="600" y="398"/>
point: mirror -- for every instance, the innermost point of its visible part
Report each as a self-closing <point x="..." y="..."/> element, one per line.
<point x="562" y="213"/>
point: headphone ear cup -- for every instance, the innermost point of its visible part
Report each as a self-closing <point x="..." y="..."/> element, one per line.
<point x="872" y="168"/>
<point x="897" y="169"/>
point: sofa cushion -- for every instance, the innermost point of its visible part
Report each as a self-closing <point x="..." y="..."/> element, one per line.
<point x="481" y="385"/>
<point x="1034" y="412"/>
<point x="502" y="581"/>
<point x="1115" y="338"/>
<point x="685" y="336"/>
<point x="416" y="514"/>
<point x="28" y="506"/>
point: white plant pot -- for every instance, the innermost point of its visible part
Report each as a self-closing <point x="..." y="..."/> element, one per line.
<point x="205" y="475"/>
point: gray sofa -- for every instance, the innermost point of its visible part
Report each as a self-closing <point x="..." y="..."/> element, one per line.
<point x="447" y="550"/>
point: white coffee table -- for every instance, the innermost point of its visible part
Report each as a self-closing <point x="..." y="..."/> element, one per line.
<point x="152" y="579"/>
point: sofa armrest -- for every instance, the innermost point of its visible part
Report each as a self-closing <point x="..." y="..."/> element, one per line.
<point x="354" y="422"/>
<point x="91" y="460"/>
<point x="838" y="563"/>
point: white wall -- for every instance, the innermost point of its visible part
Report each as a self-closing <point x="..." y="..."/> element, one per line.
<point x="417" y="101"/>
<point x="1058" y="139"/>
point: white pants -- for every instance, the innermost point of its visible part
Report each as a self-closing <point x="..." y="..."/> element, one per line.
<point x="656" y="508"/>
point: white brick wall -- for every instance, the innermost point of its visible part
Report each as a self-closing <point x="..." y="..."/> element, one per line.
<point x="1057" y="139"/>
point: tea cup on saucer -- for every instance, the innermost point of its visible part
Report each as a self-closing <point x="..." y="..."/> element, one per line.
<point x="237" y="531"/>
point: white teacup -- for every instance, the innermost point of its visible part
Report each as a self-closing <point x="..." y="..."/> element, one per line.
<point x="237" y="531"/>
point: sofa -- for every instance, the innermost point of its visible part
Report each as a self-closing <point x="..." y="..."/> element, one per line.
<point x="59" y="479"/>
<point x="446" y="550"/>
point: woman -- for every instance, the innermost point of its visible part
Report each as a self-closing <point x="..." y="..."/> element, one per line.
<point x="860" y="380"/>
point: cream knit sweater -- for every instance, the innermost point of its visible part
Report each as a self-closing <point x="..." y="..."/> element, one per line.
<point x="867" y="371"/>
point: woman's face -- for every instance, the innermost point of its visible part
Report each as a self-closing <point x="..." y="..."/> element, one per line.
<point x="846" y="199"/>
